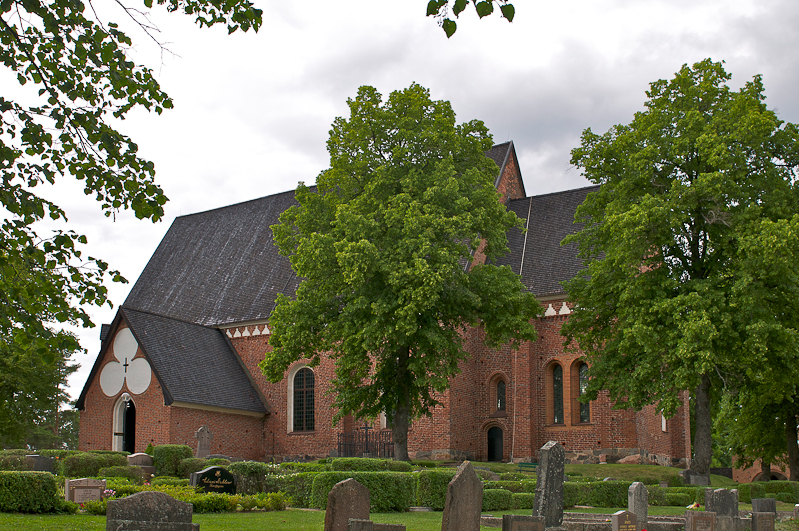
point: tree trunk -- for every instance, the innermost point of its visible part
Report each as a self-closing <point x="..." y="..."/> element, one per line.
<point x="703" y="441"/>
<point x="399" y="428"/>
<point x="793" y="449"/>
<point x="765" y="470"/>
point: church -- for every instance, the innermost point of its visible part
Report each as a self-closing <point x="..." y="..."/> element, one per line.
<point x="183" y="351"/>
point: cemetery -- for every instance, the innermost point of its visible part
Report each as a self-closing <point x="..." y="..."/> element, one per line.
<point x="164" y="490"/>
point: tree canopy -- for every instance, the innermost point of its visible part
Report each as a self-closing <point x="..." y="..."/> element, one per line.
<point x="444" y="10"/>
<point x="385" y="247"/>
<point x="690" y="248"/>
<point x="75" y="80"/>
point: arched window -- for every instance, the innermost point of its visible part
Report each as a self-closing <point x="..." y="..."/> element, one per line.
<point x="501" y="396"/>
<point x="585" y="408"/>
<point x="303" y="400"/>
<point x="557" y="394"/>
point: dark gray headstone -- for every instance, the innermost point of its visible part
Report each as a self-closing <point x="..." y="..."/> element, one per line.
<point x="464" y="501"/>
<point x="723" y="502"/>
<point x="360" y="525"/>
<point x="764" y="505"/>
<point x="204" y="439"/>
<point x="700" y="521"/>
<point x="638" y="503"/>
<point x="388" y="527"/>
<point x="40" y="463"/>
<point x="516" y="522"/>
<point x="214" y="479"/>
<point x="624" y="521"/>
<point x="81" y="490"/>
<point x="140" y="459"/>
<point x="149" y="511"/>
<point x="549" y="488"/>
<point x="347" y="500"/>
<point x="763" y="521"/>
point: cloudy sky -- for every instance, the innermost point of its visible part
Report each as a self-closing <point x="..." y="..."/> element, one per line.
<point x="253" y="110"/>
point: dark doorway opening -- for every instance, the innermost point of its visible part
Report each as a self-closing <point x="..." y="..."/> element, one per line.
<point x="129" y="427"/>
<point x="495" y="444"/>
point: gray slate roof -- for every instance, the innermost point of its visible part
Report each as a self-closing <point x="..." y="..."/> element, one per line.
<point x="218" y="267"/>
<point x="194" y="363"/>
<point x="546" y="262"/>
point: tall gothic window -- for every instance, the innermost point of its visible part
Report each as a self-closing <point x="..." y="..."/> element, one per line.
<point x="304" y="400"/>
<point x="557" y="394"/>
<point x="501" y="396"/>
<point x="585" y="409"/>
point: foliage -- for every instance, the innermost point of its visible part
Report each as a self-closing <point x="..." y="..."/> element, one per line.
<point x="304" y="467"/>
<point x="512" y="486"/>
<point x="28" y="492"/>
<point x="14" y="462"/>
<point x="173" y="482"/>
<point x="679" y="276"/>
<point x="441" y="10"/>
<point x="83" y="465"/>
<point x="298" y="486"/>
<point x="381" y="246"/>
<point x="194" y="464"/>
<point x="134" y="473"/>
<point x="388" y="491"/>
<point x="677" y="499"/>
<point x="431" y="488"/>
<point x="497" y="500"/>
<point x="747" y="491"/>
<point x="513" y="476"/>
<point x="149" y="449"/>
<point x="522" y="500"/>
<point x="167" y="458"/>
<point x="369" y="464"/>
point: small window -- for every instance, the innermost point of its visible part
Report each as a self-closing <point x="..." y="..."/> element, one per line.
<point x="585" y="408"/>
<point x="501" y="396"/>
<point x="557" y="394"/>
<point x="304" y="400"/>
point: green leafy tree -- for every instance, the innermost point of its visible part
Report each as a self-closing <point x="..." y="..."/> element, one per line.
<point x="75" y="79"/>
<point x="386" y="249"/>
<point x="681" y="286"/>
<point x="444" y="10"/>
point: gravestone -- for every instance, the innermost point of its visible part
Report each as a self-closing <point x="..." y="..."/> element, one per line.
<point x="548" y="500"/>
<point x="796" y="512"/>
<point x="763" y="521"/>
<point x="82" y="490"/>
<point x="214" y="479"/>
<point x="516" y="522"/>
<point x="40" y="463"/>
<point x="368" y="525"/>
<point x="464" y="501"/>
<point x="204" y="439"/>
<point x="624" y="521"/>
<point x="764" y="505"/>
<point x="149" y="511"/>
<point x="638" y="503"/>
<point x="723" y="502"/>
<point x="143" y="461"/>
<point x="347" y="500"/>
<point x="700" y="521"/>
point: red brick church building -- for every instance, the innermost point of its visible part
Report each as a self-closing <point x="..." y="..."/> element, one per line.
<point x="183" y="351"/>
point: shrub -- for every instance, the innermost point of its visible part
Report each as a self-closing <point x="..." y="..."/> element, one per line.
<point x="82" y="465"/>
<point x="194" y="464"/>
<point x="96" y="507"/>
<point x="786" y="497"/>
<point x="369" y="465"/>
<point x="28" y="492"/>
<point x="298" y="487"/>
<point x="512" y="486"/>
<point x="134" y="473"/>
<point x="431" y="488"/>
<point x="656" y="495"/>
<point x="388" y="491"/>
<point x="678" y="499"/>
<point x="575" y="493"/>
<point x="149" y="449"/>
<point x="172" y="482"/>
<point x="789" y="490"/>
<point x="251" y="475"/>
<point x="513" y="476"/>
<point x="167" y="458"/>
<point x="497" y="500"/>
<point x="291" y="466"/>
<point x="695" y="494"/>
<point x="14" y="462"/>
<point x="523" y="500"/>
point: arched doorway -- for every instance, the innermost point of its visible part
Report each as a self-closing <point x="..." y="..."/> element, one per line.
<point x="125" y="425"/>
<point x="495" y="444"/>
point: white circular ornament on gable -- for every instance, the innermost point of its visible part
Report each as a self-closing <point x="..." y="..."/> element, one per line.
<point x="111" y="378"/>
<point x="125" y="345"/>
<point x="138" y="376"/>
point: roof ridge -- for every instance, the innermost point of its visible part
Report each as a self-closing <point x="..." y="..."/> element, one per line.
<point x="240" y="203"/>
<point x="162" y="316"/>
<point x="571" y="190"/>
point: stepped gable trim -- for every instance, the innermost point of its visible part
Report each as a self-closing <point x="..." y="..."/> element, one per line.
<point x="80" y="405"/>
<point x="192" y="359"/>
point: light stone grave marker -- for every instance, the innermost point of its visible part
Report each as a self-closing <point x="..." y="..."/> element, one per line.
<point x="204" y="439"/>
<point x="763" y="521"/>
<point x="515" y="522"/>
<point x="624" y="521"/>
<point x="83" y="490"/>
<point x="548" y="500"/>
<point x="149" y="511"/>
<point x="764" y="505"/>
<point x="700" y="521"/>
<point x="347" y="500"/>
<point x="638" y="503"/>
<point x="464" y="501"/>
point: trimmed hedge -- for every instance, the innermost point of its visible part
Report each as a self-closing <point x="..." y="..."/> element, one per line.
<point x="431" y="488"/>
<point x="167" y="458"/>
<point x="596" y="493"/>
<point x="497" y="500"/>
<point x="194" y="464"/>
<point x="250" y="476"/>
<point x="28" y="492"/>
<point x="291" y="466"/>
<point x="678" y="499"/>
<point x="388" y="491"/>
<point x="523" y="500"/>
<point x="14" y="462"/>
<point x="84" y="465"/>
<point x="369" y="465"/>
<point x="133" y="473"/>
<point x="298" y="487"/>
<point x="513" y="476"/>
<point x="513" y="486"/>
